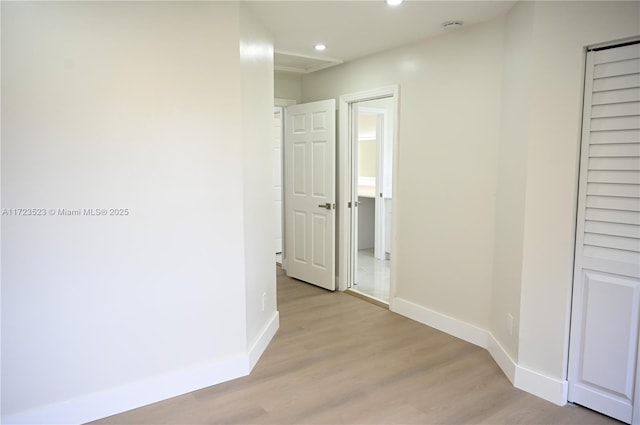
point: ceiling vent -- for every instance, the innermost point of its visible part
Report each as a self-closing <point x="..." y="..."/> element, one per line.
<point x="291" y="62"/>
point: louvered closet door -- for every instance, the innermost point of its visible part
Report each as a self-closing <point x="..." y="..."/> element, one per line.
<point x="606" y="300"/>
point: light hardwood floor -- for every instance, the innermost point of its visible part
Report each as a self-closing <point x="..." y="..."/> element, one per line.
<point x="339" y="360"/>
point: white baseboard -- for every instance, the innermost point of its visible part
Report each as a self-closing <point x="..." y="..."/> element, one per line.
<point x="502" y="358"/>
<point x="263" y="340"/>
<point x="535" y="383"/>
<point x="442" y="322"/>
<point x="550" y="389"/>
<point x="540" y="385"/>
<point x="117" y="400"/>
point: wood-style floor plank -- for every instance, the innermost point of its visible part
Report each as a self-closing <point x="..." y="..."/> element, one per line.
<point x="340" y="360"/>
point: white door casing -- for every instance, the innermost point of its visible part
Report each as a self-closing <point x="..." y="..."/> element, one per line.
<point x="310" y="171"/>
<point x="281" y="104"/>
<point x="277" y="176"/>
<point x="353" y="196"/>
<point x="603" y="355"/>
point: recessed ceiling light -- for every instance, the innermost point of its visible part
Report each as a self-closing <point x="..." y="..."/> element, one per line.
<point x="393" y="2"/>
<point x="320" y="47"/>
<point x="452" y="25"/>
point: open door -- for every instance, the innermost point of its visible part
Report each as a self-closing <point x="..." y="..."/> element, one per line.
<point x="310" y="153"/>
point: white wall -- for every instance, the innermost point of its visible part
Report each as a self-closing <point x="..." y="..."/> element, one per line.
<point x="512" y="169"/>
<point x="288" y="85"/>
<point x="366" y="223"/>
<point x="491" y="108"/>
<point x="138" y="106"/>
<point x="561" y="31"/>
<point x="448" y="141"/>
<point x="256" y="60"/>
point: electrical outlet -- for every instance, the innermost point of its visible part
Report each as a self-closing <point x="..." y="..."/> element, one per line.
<point x="510" y="324"/>
<point x="264" y="299"/>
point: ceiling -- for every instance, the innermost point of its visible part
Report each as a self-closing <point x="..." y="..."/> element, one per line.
<point x="354" y="29"/>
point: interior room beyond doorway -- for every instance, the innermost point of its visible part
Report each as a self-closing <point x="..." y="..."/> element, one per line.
<point x="373" y="151"/>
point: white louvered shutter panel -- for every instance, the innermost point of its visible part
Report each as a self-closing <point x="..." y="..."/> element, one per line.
<point x="606" y="304"/>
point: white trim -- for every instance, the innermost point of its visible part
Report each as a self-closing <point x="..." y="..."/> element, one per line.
<point x="325" y="62"/>
<point x="342" y="209"/>
<point x="296" y="70"/>
<point x="502" y="358"/>
<point x="613" y="44"/>
<point x="314" y="57"/>
<point x="528" y="380"/>
<point x="263" y="340"/>
<point x="281" y="104"/>
<point x="361" y="96"/>
<point x="284" y="102"/>
<point x="542" y="386"/>
<point x="116" y="400"/>
<point x="442" y="322"/>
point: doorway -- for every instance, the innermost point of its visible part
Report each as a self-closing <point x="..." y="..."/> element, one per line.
<point x="383" y="102"/>
<point x="366" y="179"/>
<point x="278" y="120"/>
<point x="278" y="176"/>
<point x="372" y="174"/>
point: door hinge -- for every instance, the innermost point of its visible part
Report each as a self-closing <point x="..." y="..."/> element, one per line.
<point x="353" y="204"/>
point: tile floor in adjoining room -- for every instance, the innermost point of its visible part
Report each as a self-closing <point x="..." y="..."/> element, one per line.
<point x="373" y="277"/>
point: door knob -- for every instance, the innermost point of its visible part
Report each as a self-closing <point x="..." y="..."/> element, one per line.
<point x="327" y="206"/>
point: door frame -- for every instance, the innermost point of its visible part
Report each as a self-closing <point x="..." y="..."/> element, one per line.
<point x="345" y="195"/>
<point x="282" y="104"/>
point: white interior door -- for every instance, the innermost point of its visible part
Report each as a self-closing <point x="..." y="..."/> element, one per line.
<point x="606" y="302"/>
<point x="310" y="146"/>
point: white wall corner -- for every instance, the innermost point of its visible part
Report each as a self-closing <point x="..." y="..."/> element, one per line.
<point x="442" y="322"/>
<point x="263" y="340"/>
<point x="502" y="358"/>
<point x="550" y="389"/>
<point x="117" y="400"/>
